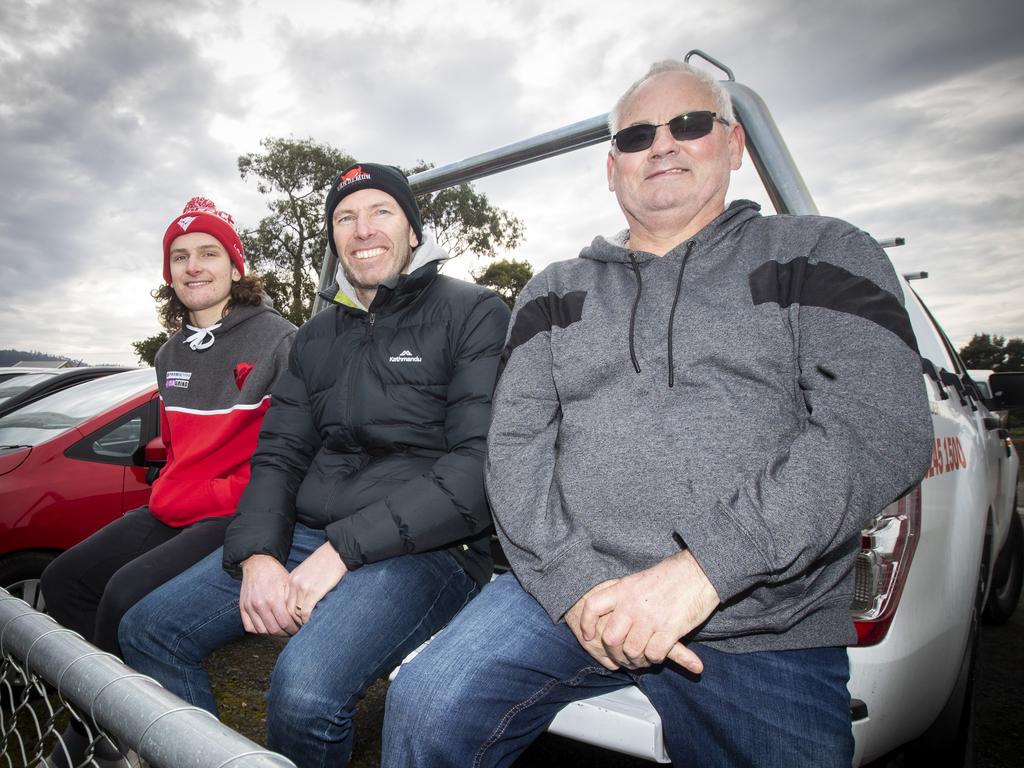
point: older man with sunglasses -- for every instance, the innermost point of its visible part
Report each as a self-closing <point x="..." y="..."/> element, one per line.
<point x="695" y="420"/>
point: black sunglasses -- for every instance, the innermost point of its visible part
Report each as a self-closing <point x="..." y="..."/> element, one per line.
<point x="685" y="127"/>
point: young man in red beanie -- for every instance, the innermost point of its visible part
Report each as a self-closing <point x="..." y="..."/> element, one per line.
<point x="214" y="373"/>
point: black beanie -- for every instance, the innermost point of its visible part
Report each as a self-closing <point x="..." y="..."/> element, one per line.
<point x="386" y="178"/>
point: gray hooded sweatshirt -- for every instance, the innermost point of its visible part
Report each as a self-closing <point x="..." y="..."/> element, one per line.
<point x="754" y="395"/>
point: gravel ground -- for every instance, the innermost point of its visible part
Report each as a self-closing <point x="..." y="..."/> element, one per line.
<point x="243" y="668"/>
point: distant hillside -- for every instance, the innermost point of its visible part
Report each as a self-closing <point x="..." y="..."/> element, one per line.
<point x="9" y="357"/>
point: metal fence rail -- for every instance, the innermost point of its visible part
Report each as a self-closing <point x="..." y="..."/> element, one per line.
<point x="768" y="151"/>
<point x="47" y="670"/>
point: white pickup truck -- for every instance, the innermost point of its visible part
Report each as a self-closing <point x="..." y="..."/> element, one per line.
<point x="932" y="563"/>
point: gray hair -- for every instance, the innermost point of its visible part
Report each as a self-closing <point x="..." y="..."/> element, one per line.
<point x="723" y="103"/>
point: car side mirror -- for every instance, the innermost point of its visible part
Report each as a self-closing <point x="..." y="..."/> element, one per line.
<point x="154" y="457"/>
<point x="1008" y="389"/>
<point x="155" y="452"/>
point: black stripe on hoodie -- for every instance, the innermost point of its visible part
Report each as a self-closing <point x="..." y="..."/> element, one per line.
<point x="541" y="315"/>
<point x="825" y="285"/>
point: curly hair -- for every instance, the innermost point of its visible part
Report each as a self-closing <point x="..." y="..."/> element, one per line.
<point x="173" y="314"/>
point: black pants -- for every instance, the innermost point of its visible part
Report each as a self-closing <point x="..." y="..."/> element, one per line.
<point x="93" y="584"/>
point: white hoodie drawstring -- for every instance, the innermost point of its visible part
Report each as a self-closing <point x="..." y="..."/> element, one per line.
<point x="199" y="340"/>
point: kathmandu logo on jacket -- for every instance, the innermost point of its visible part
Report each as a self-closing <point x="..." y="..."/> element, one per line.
<point x="185" y="221"/>
<point x="405" y="357"/>
<point x="356" y="174"/>
<point x="178" y="379"/>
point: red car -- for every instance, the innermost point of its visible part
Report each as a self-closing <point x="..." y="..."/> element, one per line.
<point x="69" y="464"/>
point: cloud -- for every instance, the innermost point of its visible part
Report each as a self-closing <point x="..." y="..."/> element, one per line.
<point x="905" y="118"/>
<point x="425" y="103"/>
<point x="106" y="110"/>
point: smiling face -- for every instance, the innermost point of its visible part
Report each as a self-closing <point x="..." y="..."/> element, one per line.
<point x="202" y="275"/>
<point x="373" y="238"/>
<point x="671" y="190"/>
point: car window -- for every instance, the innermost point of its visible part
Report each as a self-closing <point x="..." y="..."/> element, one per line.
<point x="52" y="415"/>
<point x="929" y="339"/>
<point x="121" y="441"/>
<point x="19" y="384"/>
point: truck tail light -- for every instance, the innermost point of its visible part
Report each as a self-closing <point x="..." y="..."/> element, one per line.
<point x="887" y="547"/>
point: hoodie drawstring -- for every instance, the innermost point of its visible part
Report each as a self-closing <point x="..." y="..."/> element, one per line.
<point x="632" y="314"/>
<point x="672" y="314"/>
<point x="199" y="340"/>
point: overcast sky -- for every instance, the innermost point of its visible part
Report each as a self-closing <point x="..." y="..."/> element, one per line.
<point x="906" y="118"/>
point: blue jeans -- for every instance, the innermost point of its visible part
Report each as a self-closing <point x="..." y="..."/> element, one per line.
<point x="488" y="685"/>
<point x="358" y="632"/>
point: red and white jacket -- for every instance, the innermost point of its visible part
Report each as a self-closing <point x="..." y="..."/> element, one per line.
<point x="214" y="388"/>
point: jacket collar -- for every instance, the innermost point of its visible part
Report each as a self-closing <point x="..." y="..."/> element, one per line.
<point x="391" y="294"/>
<point x="613" y="249"/>
<point x="342" y="292"/>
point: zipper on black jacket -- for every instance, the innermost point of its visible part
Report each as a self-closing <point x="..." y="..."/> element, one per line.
<point x="371" y="319"/>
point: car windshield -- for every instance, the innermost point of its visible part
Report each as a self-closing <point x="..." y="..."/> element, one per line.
<point x="56" y="413"/>
<point x="19" y="384"/>
<point x="6" y="374"/>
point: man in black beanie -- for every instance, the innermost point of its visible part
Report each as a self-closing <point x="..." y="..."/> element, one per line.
<point x="364" y="527"/>
<point x="382" y="188"/>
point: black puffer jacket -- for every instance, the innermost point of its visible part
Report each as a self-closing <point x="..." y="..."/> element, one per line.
<point x="376" y="430"/>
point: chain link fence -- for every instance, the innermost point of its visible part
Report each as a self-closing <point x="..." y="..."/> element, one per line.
<point x="33" y="718"/>
<point x="50" y="677"/>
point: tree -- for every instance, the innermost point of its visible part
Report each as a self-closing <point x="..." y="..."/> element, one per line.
<point x="507" y="277"/>
<point x="287" y="247"/>
<point x="146" y="349"/>
<point x="1014" y="355"/>
<point x="463" y="220"/>
<point x="995" y="353"/>
<point x="983" y="351"/>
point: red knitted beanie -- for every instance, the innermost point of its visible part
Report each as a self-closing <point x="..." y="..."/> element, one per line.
<point x="201" y="215"/>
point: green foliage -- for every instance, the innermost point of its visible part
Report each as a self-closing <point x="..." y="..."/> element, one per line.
<point x="463" y="220"/>
<point x="996" y="353"/>
<point x="507" y="277"/>
<point x="146" y="349"/>
<point x="1014" y="350"/>
<point x="287" y="247"/>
